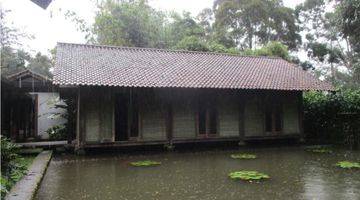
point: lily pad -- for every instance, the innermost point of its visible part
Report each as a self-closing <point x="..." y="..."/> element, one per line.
<point x="248" y="175"/>
<point x="348" y="165"/>
<point x="145" y="163"/>
<point x="243" y="156"/>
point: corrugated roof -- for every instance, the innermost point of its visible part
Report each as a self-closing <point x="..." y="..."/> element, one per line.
<point x="95" y="65"/>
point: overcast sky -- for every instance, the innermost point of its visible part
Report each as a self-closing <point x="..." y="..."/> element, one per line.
<point x="50" y="26"/>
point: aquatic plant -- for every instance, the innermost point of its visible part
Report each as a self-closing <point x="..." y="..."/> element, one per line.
<point x="243" y="156"/>
<point x="318" y="149"/>
<point x="248" y="175"/>
<point x="145" y="163"/>
<point x="321" y="151"/>
<point x="348" y="165"/>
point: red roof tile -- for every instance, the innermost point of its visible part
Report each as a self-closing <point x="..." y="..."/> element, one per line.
<point x="79" y="64"/>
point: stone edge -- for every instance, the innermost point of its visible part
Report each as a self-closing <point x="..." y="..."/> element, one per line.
<point x="26" y="188"/>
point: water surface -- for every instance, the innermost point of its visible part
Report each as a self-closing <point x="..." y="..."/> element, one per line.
<point x="295" y="174"/>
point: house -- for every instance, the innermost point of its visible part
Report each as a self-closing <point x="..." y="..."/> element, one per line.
<point x="132" y="96"/>
<point x="42" y="98"/>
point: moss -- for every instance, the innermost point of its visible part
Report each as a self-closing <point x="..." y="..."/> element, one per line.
<point x="348" y="165"/>
<point x="145" y="163"/>
<point x="243" y="156"/>
<point x="248" y="175"/>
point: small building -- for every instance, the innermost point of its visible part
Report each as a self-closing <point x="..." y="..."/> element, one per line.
<point x="132" y="96"/>
<point x="41" y="100"/>
<point x="16" y="112"/>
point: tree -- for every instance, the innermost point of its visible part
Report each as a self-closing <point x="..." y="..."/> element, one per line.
<point x="327" y="41"/>
<point x="255" y="23"/>
<point x="184" y="28"/>
<point x="128" y="23"/>
<point x="270" y="49"/>
<point x="13" y="60"/>
<point x="40" y="64"/>
<point x="192" y="43"/>
<point x="348" y="11"/>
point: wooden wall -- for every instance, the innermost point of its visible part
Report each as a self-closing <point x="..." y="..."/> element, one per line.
<point x="291" y="115"/>
<point x="229" y="115"/>
<point x="152" y="115"/>
<point x="97" y="113"/>
<point x="172" y="113"/>
<point x="253" y="116"/>
<point x="184" y="115"/>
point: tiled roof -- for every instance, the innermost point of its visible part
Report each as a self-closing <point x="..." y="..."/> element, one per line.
<point x="79" y="64"/>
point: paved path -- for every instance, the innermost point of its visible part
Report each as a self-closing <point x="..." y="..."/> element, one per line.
<point x="26" y="188"/>
<point x="43" y="144"/>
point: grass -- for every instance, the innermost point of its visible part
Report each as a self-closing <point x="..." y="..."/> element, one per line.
<point x="248" y="175"/>
<point x="145" y="163"/>
<point x="243" y="156"/>
<point x="348" y="165"/>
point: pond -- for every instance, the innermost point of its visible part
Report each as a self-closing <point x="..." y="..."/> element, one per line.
<point x="295" y="174"/>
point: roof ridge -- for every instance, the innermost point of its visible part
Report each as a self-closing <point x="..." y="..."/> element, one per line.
<point x="10" y="76"/>
<point x="167" y="50"/>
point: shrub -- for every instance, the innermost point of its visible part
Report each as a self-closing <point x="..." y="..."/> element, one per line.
<point x="333" y="117"/>
<point x="57" y="132"/>
<point x="9" y="152"/>
<point x="13" y="166"/>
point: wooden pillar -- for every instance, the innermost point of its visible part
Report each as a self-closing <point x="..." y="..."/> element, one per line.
<point x="301" y="116"/>
<point x="169" y="122"/>
<point x="242" y="117"/>
<point x="78" y="139"/>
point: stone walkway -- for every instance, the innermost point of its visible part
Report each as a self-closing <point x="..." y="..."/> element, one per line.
<point x="26" y="188"/>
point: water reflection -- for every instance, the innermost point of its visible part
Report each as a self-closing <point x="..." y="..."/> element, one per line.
<point x="295" y="174"/>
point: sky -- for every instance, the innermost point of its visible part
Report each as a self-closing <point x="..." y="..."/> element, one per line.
<point x="50" y="26"/>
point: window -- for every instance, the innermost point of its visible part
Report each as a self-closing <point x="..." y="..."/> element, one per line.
<point x="273" y="118"/>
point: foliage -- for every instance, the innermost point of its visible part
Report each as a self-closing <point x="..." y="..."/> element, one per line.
<point x="257" y="22"/>
<point x="192" y="43"/>
<point x="329" y="42"/>
<point x="270" y="49"/>
<point x="13" y="60"/>
<point x="13" y="166"/>
<point x="319" y="150"/>
<point x="9" y="152"/>
<point x="145" y="163"/>
<point x="128" y="23"/>
<point x="333" y="117"/>
<point x="57" y="132"/>
<point x="248" y="175"/>
<point x="243" y="156"/>
<point x="40" y="64"/>
<point x="348" y="165"/>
